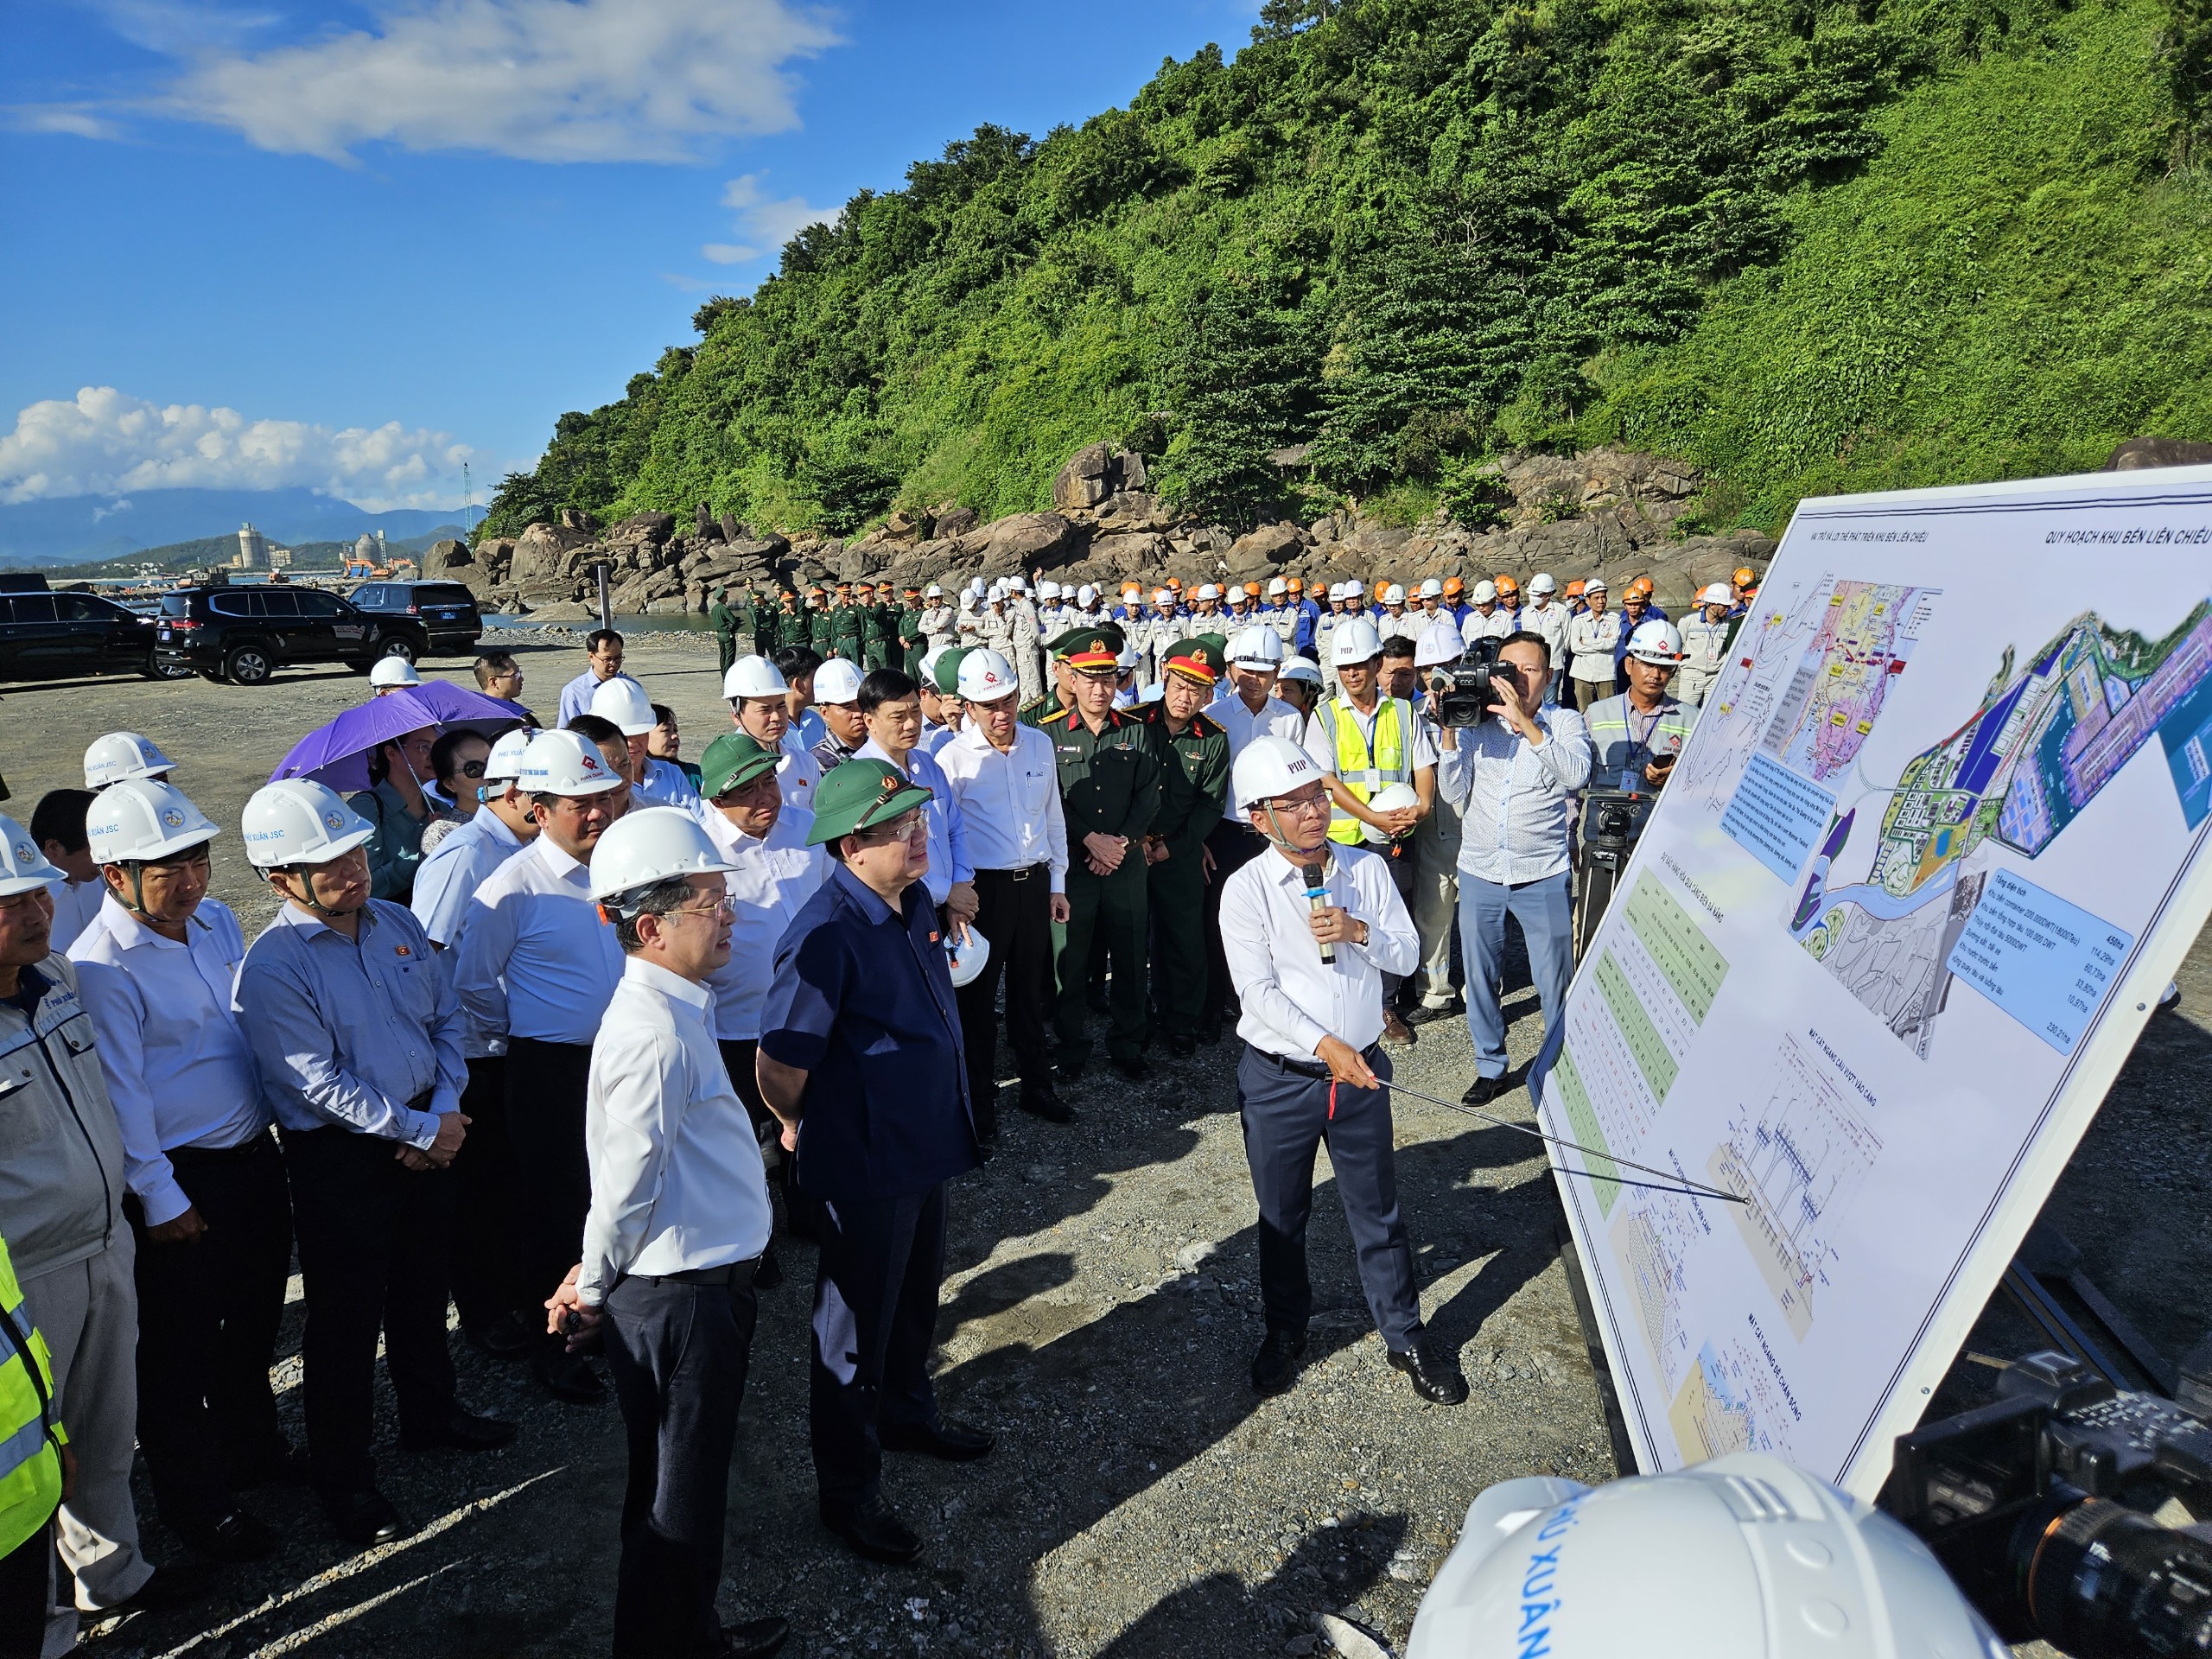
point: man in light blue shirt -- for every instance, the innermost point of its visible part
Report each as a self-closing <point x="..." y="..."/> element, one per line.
<point x="357" y="1037"/>
<point x="891" y="704"/>
<point x="602" y="663"/>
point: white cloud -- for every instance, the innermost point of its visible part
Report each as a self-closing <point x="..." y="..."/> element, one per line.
<point x="541" y="80"/>
<point x="104" y="442"/>
<point x="78" y="120"/>
<point x="765" y="223"/>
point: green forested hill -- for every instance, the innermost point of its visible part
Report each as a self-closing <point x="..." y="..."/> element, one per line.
<point x="1808" y="246"/>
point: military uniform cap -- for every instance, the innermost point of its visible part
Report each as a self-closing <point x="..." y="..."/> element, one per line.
<point x="1088" y="648"/>
<point x="860" y="795"/>
<point x="1218" y="641"/>
<point x="1199" y="659"/>
<point x="733" y="760"/>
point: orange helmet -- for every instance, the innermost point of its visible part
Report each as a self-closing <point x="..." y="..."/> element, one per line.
<point x="1453" y="585"/>
<point x="1251" y="590"/>
<point x="1296" y="585"/>
<point x="1174" y="584"/>
<point x="1744" y="576"/>
<point x="1574" y="589"/>
<point x="1640" y="588"/>
<point x="1381" y="588"/>
<point x="1507" y="585"/>
<point x="1132" y="587"/>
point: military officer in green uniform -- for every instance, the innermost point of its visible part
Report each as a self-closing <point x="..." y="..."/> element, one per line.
<point x="722" y="617"/>
<point x="913" y="643"/>
<point x="845" y="627"/>
<point x="822" y="625"/>
<point x="1109" y="793"/>
<point x="1193" y="754"/>
<point x="787" y="624"/>
<point x="1055" y="700"/>
<point x="875" y="643"/>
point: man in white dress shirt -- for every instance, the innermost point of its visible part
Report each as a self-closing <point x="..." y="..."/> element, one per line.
<point x="1311" y="929"/>
<point x="678" y="1218"/>
<point x="773" y="872"/>
<point x="1513" y="779"/>
<point x="489" y="1289"/>
<point x="537" y="967"/>
<point x="759" y="707"/>
<point x="208" y="1205"/>
<point x="1006" y="780"/>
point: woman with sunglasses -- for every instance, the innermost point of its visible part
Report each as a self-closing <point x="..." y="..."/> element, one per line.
<point x="457" y="762"/>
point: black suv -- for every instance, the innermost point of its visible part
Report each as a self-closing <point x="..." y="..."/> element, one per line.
<point x="245" y="634"/>
<point x="446" y="609"/>
<point x="46" y="636"/>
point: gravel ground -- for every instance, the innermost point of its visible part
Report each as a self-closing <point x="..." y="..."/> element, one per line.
<point x="1101" y="1306"/>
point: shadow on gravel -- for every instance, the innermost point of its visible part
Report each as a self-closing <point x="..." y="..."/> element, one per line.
<point x="1218" y="1615"/>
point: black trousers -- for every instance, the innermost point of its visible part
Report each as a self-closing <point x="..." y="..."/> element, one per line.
<point x="487" y="1277"/>
<point x="546" y="1084"/>
<point x="678" y="1355"/>
<point x="1016" y="917"/>
<point x="374" y="1240"/>
<point x="207" y="1318"/>
<point x="1233" y="847"/>
<point x="875" y="1291"/>
<point x="26" y="1592"/>
<point x="1286" y="1117"/>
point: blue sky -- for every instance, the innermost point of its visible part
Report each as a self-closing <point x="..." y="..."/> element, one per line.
<point x="349" y="246"/>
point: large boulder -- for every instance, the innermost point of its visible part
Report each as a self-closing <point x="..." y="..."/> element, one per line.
<point x="654" y="527"/>
<point x="1083" y="482"/>
<point x="1033" y="541"/>
<point x="2139" y="453"/>
<point x="1261" y="550"/>
<point x="952" y="519"/>
<point x="546" y="553"/>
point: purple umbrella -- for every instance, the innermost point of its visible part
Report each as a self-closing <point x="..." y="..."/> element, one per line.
<point x="338" y="755"/>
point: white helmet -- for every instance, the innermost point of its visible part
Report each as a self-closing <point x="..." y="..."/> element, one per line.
<point x="1656" y="642"/>
<point x="1439" y="644"/>
<point x="1394" y="595"/>
<point x="503" y="763"/>
<point x="932" y="592"/>
<point x="985" y="677"/>
<point x="1433" y="587"/>
<point x="965" y="957"/>
<point x="1278" y="588"/>
<point x="1717" y="593"/>
<point x="1595" y="585"/>
<point x="837" y="680"/>
<point x="1207" y="590"/>
<point x="393" y="670"/>
<point x="754" y="677"/>
<point x="1391" y="797"/>
<point x="1270" y="767"/>
<point x="1485" y="592"/>
<point x="1161" y="598"/>
<point x="1354" y="641"/>
<point x="1300" y="668"/>
<point x="641" y="849"/>
<point x="1048" y="589"/>
<point x="1256" y="647"/>
<point x="1086" y="596"/>
<point x="298" y="821"/>
<point x="623" y="703"/>
<point x="124" y="754"/>
<point x="565" y="763"/>
<point x="22" y="867"/>
<point x="1128" y="658"/>
<point x="144" y="818"/>
<point x="1017" y="584"/>
<point x="978" y="588"/>
<point x="930" y="659"/>
<point x="1542" y="583"/>
<point x="995" y="593"/>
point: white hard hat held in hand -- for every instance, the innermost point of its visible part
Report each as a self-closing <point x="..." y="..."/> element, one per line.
<point x="142" y="818"/>
<point x="754" y="677"/>
<point x="645" y="849"/>
<point x="124" y="754"/>
<point x="565" y="763"/>
<point x="391" y="672"/>
<point x="298" y="821"/>
<point x="623" y="704"/>
<point x="22" y="867"/>
<point x="966" y="956"/>
<point x="1391" y="797"/>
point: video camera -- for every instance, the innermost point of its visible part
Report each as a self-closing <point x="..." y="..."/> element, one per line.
<point x="1466" y="692"/>
<point x="2051" y="1508"/>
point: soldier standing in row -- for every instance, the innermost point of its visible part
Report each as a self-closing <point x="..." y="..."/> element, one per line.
<point x="1193" y="753"/>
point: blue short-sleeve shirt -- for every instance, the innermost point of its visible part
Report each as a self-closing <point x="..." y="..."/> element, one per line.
<point x="862" y="1002"/>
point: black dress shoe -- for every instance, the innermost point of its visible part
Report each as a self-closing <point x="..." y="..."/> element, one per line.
<point x="1182" y="1045"/>
<point x="505" y="1338"/>
<point x="237" y="1537"/>
<point x="1434" y="1377"/>
<point x="756" y="1638"/>
<point x="949" y="1442"/>
<point x="178" y="1585"/>
<point x="1136" y="1068"/>
<point x="365" y="1518"/>
<point x="1070" y="1070"/>
<point x="770" y="1272"/>
<point x="872" y="1531"/>
<point x="569" y="1378"/>
<point x="458" y="1431"/>
<point x="1274" y="1368"/>
<point x="1041" y="1100"/>
<point x="1483" y="1090"/>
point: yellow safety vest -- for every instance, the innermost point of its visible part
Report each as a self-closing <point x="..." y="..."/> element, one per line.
<point x="30" y="1423"/>
<point x="1360" y="770"/>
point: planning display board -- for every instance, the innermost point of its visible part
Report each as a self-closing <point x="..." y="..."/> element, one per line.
<point x="1937" y="845"/>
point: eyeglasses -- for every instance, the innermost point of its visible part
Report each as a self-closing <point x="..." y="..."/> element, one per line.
<point x="904" y="827"/>
<point x="726" y="905"/>
<point x="1308" y="805"/>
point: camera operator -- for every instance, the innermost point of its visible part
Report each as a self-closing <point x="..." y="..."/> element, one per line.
<point x="1636" y="736"/>
<point x="1511" y="778"/>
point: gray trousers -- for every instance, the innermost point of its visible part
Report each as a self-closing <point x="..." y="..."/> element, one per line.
<point x="88" y="1314"/>
<point x="1436" y="894"/>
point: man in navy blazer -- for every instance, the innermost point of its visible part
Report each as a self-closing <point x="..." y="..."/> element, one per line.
<point x="859" y="1059"/>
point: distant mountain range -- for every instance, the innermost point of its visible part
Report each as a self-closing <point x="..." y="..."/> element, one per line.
<point x="81" y="529"/>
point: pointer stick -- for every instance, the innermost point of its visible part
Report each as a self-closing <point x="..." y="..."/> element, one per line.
<point x="1689" y="1188"/>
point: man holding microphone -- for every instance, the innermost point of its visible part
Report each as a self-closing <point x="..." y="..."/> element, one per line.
<point x="1310" y="928"/>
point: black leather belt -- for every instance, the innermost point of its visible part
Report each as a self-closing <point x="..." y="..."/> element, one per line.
<point x="1021" y="874"/>
<point x="1310" y="1068"/>
<point x="734" y="1274"/>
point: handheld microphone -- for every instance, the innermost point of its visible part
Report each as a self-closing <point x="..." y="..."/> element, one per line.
<point x="1317" y="898"/>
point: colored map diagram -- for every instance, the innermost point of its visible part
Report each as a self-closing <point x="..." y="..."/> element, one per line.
<point x="1866" y="635"/>
<point x="1728" y="1403"/>
<point x="1799" y="1155"/>
<point x="2045" y="741"/>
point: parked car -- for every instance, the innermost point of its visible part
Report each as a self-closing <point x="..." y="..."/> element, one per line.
<point x="45" y="636"/>
<point x="245" y="634"/>
<point x="446" y="609"/>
